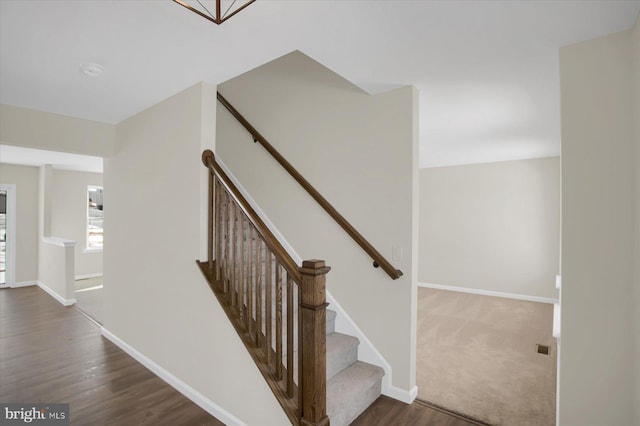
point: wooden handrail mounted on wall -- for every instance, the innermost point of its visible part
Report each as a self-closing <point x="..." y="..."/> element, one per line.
<point x="378" y="259"/>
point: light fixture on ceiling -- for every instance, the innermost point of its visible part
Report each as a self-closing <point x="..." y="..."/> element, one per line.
<point x="212" y="9"/>
<point x="91" y="69"/>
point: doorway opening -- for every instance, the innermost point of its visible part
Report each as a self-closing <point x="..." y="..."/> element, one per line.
<point x="3" y="238"/>
<point x="7" y="235"/>
<point x="489" y="252"/>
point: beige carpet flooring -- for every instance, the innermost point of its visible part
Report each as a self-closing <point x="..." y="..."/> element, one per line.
<point x="89" y="295"/>
<point x="477" y="356"/>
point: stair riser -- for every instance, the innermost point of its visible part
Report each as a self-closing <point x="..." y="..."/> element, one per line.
<point x="340" y="355"/>
<point x="351" y="391"/>
<point x="350" y="412"/>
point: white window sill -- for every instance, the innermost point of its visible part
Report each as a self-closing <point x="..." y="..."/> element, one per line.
<point x="60" y="242"/>
<point x="92" y="250"/>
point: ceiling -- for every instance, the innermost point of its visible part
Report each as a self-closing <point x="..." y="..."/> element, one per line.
<point x="487" y="71"/>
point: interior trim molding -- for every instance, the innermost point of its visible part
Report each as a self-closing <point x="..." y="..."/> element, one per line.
<point x="85" y="277"/>
<point x="489" y="293"/>
<point x="192" y="394"/>
<point x="406" y="396"/>
<point x="24" y="284"/>
<point x="59" y="242"/>
<point x="92" y="250"/>
<point x="62" y="300"/>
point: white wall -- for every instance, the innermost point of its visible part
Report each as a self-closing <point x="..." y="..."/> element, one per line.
<point x="492" y="226"/>
<point x="56" y="260"/>
<point x="44" y="130"/>
<point x="69" y="216"/>
<point x="55" y="268"/>
<point x="636" y="119"/>
<point x="598" y="218"/>
<point x="26" y="180"/>
<point x="45" y="181"/>
<point x="360" y="152"/>
<point x="155" y="297"/>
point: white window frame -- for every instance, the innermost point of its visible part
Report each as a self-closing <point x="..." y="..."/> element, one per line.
<point x="87" y="248"/>
<point x="10" y="259"/>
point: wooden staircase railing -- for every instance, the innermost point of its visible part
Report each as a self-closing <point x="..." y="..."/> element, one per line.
<point x="266" y="297"/>
<point x="378" y="259"/>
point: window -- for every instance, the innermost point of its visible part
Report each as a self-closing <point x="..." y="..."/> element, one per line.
<point x="95" y="218"/>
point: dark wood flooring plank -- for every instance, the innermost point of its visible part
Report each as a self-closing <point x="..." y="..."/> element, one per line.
<point x="389" y="412"/>
<point x="51" y="353"/>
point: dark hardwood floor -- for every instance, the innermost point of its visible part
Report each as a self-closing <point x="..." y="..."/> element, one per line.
<point x="389" y="412"/>
<point x="53" y="354"/>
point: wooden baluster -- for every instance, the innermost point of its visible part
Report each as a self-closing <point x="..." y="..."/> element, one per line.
<point x="250" y="268"/>
<point x="259" y="280"/>
<point x="223" y="235"/>
<point x="234" y="259"/>
<point x="278" y="371"/>
<point x="236" y="263"/>
<point x="218" y="226"/>
<point x="267" y="305"/>
<point x="224" y="261"/>
<point x="290" y="320"/>
<point x="299" y="286"/>
<point x="313" y="378"/>
<point x="241" y="266"/>
<point x="247" y="272"/>
<point x="211" y="229"/>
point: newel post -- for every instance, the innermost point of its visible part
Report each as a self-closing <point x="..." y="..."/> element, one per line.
<point x="208" y="158"/>
<point x="313" y="350"/>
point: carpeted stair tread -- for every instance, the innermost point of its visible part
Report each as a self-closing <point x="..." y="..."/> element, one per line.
<point x="351" y="391"/>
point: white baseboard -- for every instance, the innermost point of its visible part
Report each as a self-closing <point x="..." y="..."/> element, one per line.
<point x="86" y="277"/>
<point x="195" y="396"/>
<point x="62" y="300"/>
<point x="24" y="284"/>
<point x="489" y="293"/>
<point x="402" y="395"/>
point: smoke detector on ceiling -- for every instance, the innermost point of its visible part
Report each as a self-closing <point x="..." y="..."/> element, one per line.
<point x="92" y="69"/>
